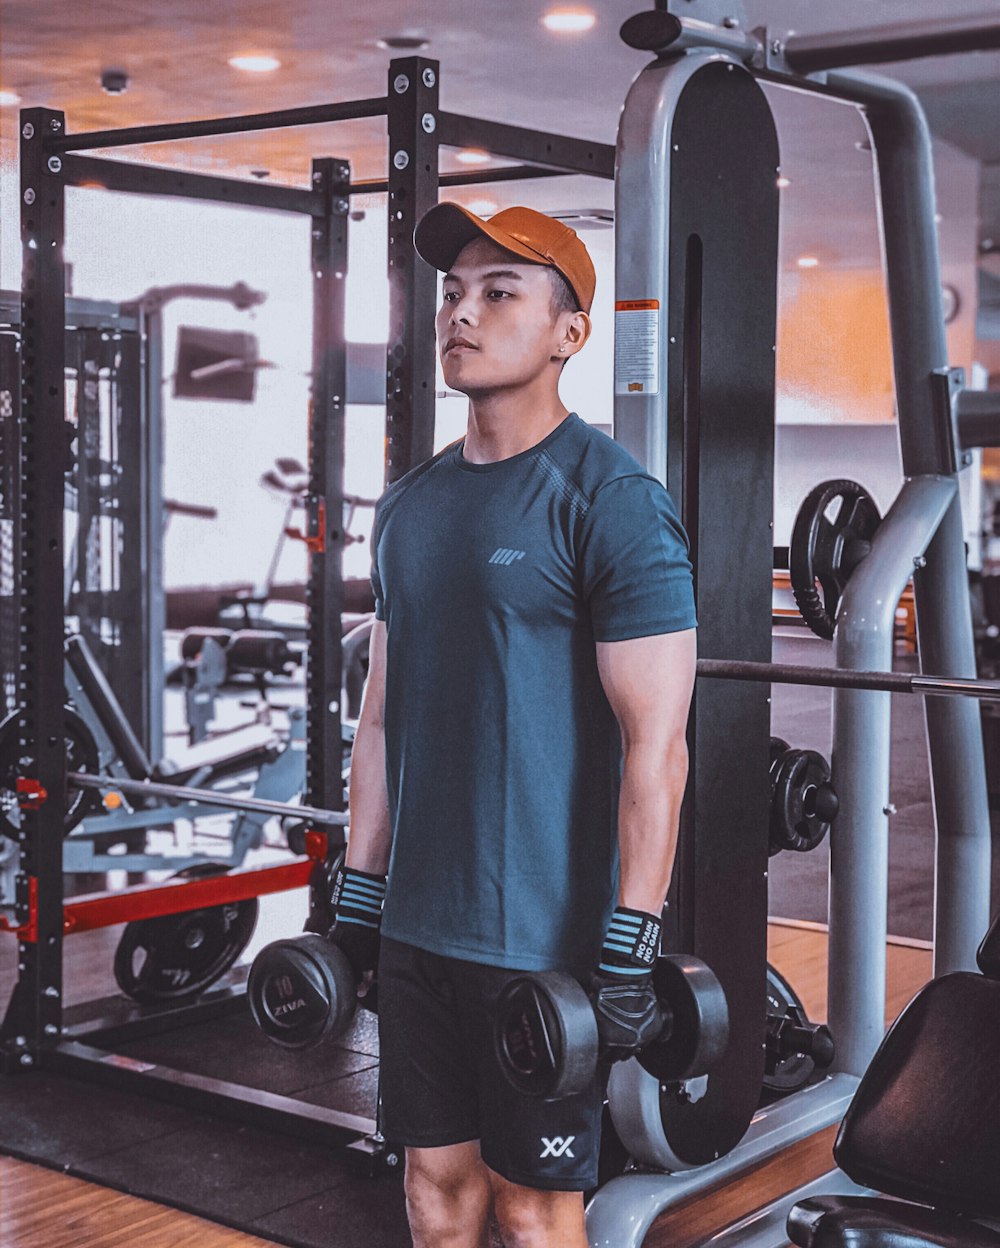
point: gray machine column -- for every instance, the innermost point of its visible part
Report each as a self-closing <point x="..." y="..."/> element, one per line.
<point x="928" y="442"/>
<point x="859" y="838"/>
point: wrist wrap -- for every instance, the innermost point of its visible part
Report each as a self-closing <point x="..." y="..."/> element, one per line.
<point x="356" y="898"/>
<point x="631" y="946"/>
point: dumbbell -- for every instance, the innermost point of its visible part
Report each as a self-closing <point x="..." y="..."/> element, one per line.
<point x="302" y="991"/>
<point x="545" y="1029"/>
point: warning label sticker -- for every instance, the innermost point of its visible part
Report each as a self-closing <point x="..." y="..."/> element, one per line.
<point x="637" y="342"/>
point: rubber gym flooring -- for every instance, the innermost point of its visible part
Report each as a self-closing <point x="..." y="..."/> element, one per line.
<point x="305" y="1195"/>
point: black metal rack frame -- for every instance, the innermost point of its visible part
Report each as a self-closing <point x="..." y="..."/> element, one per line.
<point x="32" y="1029"/>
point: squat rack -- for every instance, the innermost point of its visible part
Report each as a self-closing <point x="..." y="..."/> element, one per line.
<point x="32" y="1029"/>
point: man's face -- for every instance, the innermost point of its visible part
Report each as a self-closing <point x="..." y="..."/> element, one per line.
<point x="496" y="329"/>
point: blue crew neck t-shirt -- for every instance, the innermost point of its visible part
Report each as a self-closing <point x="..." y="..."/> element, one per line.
<point x="503" y="765"/>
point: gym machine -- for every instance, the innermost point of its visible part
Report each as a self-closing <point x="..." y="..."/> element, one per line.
<point x="34" y="1029"/>
<point x="694" y="381"/>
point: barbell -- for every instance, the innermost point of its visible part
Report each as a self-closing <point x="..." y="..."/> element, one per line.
<point x="710" y="669"/>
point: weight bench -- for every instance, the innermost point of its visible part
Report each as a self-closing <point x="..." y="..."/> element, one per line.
<point x="924" y="1126"/>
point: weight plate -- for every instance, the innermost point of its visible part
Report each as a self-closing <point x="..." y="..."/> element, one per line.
<point x="803" y="802"/>
<point x="698" y="1014"/>
<point x="783" y="1073"/>
<point x="824" y="551"/>
<point x="545" y="1035"/>
<point x="301" y="991"/>
<point x="81" y="755"/>
<point x="177" y="956"/>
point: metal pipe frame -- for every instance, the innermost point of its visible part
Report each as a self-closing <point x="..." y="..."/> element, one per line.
<point x="131" y="136"/>
<point x="903" y="41"/>
<point x="284" y="1114"/>
<point x="620" y="1214"/>
<point x="859" y="838"/>
<point x="901" y="143"/>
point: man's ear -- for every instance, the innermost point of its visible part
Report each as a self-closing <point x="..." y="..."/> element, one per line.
<point x="579" y="327"/>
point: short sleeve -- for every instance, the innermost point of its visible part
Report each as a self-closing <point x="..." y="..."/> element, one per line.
<point x="376" y="579"/>
<point x="636" y="574"/>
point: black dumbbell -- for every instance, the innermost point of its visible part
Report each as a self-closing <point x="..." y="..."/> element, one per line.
<point x="302" y="991"/>
<point x="545" y="1029"/>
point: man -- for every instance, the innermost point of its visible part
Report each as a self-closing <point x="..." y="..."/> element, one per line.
<point x="523" y="728"/>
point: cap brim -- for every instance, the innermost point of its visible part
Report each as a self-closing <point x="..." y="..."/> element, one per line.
<point x="445" y="229"/>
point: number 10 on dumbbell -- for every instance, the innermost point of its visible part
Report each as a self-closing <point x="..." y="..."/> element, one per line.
<point x="545" y="1030"/>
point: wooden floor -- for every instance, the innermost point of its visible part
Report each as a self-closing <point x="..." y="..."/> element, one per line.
<point x="40" y="1208"/>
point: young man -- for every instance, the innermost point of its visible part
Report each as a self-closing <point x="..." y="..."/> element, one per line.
<point x="523" y="730"/>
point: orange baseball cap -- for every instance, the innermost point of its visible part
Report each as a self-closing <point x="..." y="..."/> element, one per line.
<point x="446" y="228"/>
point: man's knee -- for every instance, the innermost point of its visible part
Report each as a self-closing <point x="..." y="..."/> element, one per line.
<point x="445" y="1188"/>
<point x="529" y="1218"/>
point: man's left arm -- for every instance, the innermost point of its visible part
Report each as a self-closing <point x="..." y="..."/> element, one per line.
<point x="648" y="682"/>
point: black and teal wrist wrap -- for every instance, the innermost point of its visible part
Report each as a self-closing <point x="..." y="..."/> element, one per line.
<point x="621" y="989"/>
<point x="356" y="900"/>
<point x="631" y="945"/>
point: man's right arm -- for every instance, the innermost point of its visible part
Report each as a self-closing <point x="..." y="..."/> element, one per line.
<point x="370" y="836"/>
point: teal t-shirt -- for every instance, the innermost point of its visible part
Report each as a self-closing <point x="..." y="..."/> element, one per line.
<point x="502" y="753"/>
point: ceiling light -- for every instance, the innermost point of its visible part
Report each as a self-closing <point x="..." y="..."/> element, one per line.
<point x="782" y="182"/>
<point x="482" y="207"/>
<point x="472" y="156"/>
<point x="9" y="97"/>
<point x="255" y="64"/>
<point x="807" y="262"/>
<point x="568" y="21"/>
<point x="402" y="43"/>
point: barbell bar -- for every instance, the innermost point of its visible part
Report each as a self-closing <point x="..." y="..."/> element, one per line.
<point x="847" y="678"/>
<point x="715" y="669"/>
<point x="206" y="797"/>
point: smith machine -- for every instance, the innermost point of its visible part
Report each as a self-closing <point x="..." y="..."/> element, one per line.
<point x="697" y="230"/>
<point x="34" y="1030"/>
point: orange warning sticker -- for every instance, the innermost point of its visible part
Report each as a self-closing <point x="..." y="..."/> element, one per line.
<point x="637" y="305"/>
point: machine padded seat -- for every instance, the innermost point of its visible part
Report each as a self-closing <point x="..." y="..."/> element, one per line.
<point x="924" y="1123"/>
<point x="874" y="1222"/>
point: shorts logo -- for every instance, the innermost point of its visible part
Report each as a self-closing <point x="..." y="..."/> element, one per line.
<point x="557" y="1147"/>
<point x="505" y="556"/>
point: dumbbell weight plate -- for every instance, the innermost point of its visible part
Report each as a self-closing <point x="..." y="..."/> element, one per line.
<point x="698" y="1034"/>
<point x="301" y="991"/>
<point x="546" y="1035"/>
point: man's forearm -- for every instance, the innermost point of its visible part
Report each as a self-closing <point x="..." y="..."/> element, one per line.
<point x="652" y="789"/>
<point x="370" y="837"/>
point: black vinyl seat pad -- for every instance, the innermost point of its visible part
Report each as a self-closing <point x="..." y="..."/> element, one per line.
<point x="924" y="1123"/>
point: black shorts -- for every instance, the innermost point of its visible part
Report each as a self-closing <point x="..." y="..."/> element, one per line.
<point x="441" y="1084"/>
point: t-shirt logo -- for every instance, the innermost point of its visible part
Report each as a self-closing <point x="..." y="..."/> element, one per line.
<point x="505" y="556"/>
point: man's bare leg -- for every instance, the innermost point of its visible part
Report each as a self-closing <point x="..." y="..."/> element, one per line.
<point x="529" y="1218"/>
<point x="448" y="1196"/>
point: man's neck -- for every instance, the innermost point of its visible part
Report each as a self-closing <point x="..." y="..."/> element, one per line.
<point x="503" y="425"/>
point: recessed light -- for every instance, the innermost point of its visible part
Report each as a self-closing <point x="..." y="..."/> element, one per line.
<point x="9" y="97"/>
<point x="482" y="207"/>
<point x="782" y="182"/>
<point x="568" y="21"/>
<point x="255" y="64"/>
<point x="402" y="43"/>
<point x="807" y="262"/>
<point x="472" y="156"/>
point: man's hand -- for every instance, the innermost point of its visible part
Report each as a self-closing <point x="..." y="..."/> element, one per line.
<point x="625" y="1004"/>
<point x="357" y="918"/>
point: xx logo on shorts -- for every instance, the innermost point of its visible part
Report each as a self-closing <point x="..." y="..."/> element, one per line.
<point x="557" y="1147"/>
